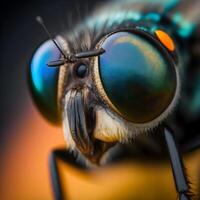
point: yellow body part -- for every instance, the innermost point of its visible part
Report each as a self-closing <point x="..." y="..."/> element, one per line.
<point x="126" y="181"/>
<point x="165" y="39"/>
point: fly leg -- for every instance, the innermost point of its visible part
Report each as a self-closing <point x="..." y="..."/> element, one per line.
<point x="180" y="178"/>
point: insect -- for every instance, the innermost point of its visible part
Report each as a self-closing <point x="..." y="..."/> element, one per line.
<point x="129" y="69"/>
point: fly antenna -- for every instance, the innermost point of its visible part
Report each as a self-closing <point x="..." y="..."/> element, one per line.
<point x="68" y="58"/>
<point x="41" y="22"/>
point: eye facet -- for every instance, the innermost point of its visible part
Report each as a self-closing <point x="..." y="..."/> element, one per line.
<point x="43" y="80"/>
<point x="134" y="77"/>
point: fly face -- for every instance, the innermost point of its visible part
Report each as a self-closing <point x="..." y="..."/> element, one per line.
<point x="107" y="87"/>
<point x="127" y="90"/>
<point x="78" y="107"/>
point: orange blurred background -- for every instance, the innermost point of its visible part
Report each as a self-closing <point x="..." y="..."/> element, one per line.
<point x="24" y="164"/>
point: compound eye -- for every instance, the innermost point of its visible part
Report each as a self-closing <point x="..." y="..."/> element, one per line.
<point x="43" y="80"/>
<point x="135" y="78"/>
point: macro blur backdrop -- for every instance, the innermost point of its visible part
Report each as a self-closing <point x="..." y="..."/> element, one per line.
<point x="26" y="139"/>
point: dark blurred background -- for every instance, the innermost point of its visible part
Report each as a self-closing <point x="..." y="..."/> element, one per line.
<point x="25" y="137"/>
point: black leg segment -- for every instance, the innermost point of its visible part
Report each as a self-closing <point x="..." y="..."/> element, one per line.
<point x="182" y="185"/>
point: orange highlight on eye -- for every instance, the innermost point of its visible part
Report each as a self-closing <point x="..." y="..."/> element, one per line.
<point x="165" y="39"/>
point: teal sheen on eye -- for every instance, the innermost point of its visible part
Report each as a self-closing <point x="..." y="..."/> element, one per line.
<point x="43" y="80"/>
<point x="137" y="79"/>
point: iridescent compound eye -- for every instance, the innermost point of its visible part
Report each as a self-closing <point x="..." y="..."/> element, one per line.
<point x="43" y="80"/>
<point x="134" y="77"/>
